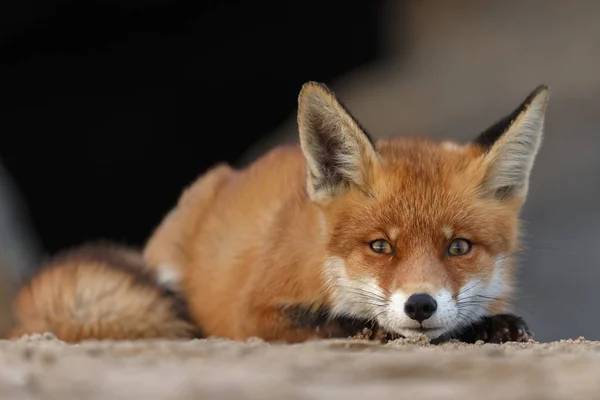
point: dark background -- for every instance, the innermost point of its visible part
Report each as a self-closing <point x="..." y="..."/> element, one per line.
<point x="112" y="107"/>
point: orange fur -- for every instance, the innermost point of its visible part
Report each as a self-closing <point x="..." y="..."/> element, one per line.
<point x="294" y="228"/>
<point x="97" y="292"/>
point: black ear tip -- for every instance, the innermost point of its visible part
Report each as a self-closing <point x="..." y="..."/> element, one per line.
<point x="539" y="95"/>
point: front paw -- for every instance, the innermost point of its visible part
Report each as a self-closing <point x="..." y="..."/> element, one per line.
<point x="498" y="328"/>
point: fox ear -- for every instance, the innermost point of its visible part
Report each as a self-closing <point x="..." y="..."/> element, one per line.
<point x="511" y="146"/>
<point x="338" y="152"/>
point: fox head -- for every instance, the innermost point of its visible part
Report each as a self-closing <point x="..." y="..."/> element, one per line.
<point x="419" y="235"/>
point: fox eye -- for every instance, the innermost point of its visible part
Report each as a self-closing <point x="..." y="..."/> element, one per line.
<point x="381" y="246"/>
<point x="459" y="247"/>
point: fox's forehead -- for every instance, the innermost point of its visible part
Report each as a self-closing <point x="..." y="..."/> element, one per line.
<point x="422" y="167"/>
<point x="423" y="188"/>
<point x="427" y="156"/>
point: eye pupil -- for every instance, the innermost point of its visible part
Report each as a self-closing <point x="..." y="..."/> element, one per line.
<point x="381" y="246"/>
<point x="459" y="247"/>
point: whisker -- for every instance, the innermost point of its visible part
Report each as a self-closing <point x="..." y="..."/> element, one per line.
<point x="490" y="298"/>
<point x="467" y="323"/>
<point x="472" y="313"/>
<point x="528" y="249"/>
<point x="512" y="253"/>
<point x="366" y="303"/>
<point x="379" y="314"/>
<point x="465" y="303"/>
<point x="376" y="291"/>
<point x="384" y="290"/>
<point x="470" y="287"/>
<point x="365" y="294"/>
<point x="459" y="320"/>
<point x="501" y="299"/>
<point x="362" y="290"/>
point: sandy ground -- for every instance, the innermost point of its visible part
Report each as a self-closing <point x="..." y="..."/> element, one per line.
<point x="39" y="367"/>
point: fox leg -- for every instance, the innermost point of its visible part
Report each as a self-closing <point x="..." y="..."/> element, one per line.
<point x="298" y="323"/>
<point x="499" y="328"/>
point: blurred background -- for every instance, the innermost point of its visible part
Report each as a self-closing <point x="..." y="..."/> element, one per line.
<point x="111" y="107"/>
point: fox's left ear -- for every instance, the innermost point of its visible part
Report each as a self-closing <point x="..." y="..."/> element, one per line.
<point x="511" y="146"/>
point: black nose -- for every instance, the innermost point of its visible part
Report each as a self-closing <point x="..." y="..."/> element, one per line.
<point x="420" y="306"/>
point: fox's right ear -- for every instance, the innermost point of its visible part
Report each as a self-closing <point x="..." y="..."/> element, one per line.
<point x="338" y="152"/>
<point x="511" y="146"/>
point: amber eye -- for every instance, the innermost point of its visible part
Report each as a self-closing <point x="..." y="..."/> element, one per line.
<point x="459" y="247"/>
<point x="381" y="246"/>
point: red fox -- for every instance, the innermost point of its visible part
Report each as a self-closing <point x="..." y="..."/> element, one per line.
<point x="410" y="235"/>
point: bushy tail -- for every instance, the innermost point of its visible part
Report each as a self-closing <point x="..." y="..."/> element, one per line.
<point x="99" y="291"/>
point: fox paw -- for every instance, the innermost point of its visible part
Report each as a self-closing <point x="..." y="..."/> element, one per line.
<point x="498" y="328"/>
